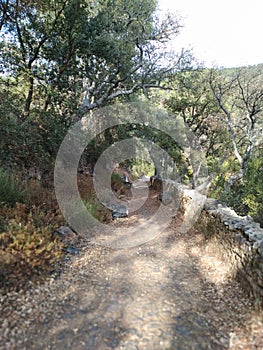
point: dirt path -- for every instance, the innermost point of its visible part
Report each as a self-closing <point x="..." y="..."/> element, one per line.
<point x="170" y="293"/>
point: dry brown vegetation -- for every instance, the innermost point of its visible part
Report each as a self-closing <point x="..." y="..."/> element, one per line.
<point x="30" y="248"/>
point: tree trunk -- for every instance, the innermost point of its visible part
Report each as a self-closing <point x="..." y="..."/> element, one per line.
<point x="28" y="99"/>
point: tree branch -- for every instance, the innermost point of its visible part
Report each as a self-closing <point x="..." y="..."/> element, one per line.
<point x="218" y="96"/>
<point x="3" y="8"/>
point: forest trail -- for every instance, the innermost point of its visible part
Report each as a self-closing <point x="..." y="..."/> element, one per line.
<point x="168" y="293"/>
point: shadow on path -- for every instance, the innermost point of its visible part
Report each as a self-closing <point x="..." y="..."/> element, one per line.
<point x="151" y="297"/>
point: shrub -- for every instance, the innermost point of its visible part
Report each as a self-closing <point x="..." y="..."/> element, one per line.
<point x="245" y="197"/>
<point x="29" y="247"/>
<point x="116" y="179"/>
<point x="92" y="206"/>
<point x="234" y="198"/>
<point x="253" y="196"/>
<point x="97" y="210"/>
<point x="140" y="167"/>
<point x="11" y="190"/>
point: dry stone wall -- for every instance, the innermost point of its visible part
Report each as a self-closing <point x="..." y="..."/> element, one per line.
<point x="239" y="241"/>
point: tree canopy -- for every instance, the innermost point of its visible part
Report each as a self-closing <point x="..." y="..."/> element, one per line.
<point x="80" y="54"/>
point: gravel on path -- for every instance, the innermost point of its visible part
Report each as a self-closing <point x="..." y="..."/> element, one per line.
<point x="169" y="293"/>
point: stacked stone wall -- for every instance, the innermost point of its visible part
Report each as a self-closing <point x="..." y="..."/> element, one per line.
<point x="239" y="241"/>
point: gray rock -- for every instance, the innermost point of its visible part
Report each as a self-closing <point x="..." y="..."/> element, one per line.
<point x="119" y="211"/>
<point x="67" y="235"/>
<point x="65" y="231"/>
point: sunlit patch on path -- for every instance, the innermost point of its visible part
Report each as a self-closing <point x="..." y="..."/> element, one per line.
<point x="169" y="293"/>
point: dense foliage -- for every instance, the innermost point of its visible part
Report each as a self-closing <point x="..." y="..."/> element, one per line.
<point x="62" y="58"/>
<point x="224" y="108"/>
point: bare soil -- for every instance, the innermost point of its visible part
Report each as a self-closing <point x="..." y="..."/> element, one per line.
<point x="171" y="292"/>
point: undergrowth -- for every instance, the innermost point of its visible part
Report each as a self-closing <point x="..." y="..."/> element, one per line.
<point x="11" y="190"/>
<point x="29" y="247"/>
<point x="97" y="210"/>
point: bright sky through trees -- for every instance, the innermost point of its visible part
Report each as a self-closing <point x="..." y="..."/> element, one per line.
<point x="224" y="33"/>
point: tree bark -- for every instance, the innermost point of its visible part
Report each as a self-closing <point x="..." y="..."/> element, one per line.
<point x="28" y="99"/>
